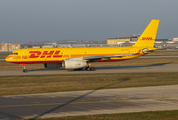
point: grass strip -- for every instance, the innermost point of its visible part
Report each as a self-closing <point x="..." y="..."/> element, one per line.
<point x="150" y="115"/>
<point x="15" y="85"/>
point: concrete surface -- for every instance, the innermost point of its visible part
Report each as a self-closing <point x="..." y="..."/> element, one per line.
<point x="91" y="102"/>
<point x="117" y="69"/>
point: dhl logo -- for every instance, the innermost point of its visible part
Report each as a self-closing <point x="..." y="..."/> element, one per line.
<point x="44" y="54"/>
<point x="147" y="38"/>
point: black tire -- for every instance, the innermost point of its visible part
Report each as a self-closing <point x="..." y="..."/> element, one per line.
<point x="92" y="69"/>
<point x="24" y="70"/>
<point x="88" y="69"/>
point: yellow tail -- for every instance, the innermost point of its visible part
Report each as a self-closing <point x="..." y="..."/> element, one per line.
<point x="148" y="37"/>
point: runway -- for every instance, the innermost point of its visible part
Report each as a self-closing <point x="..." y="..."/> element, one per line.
<point x="117" y="69"/>
<point x="90" y="102"/>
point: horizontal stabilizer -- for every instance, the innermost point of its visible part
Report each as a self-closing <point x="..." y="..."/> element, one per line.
<point x="147" y="50"/>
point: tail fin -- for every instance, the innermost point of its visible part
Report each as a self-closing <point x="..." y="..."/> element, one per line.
<point x="148" y="37"/>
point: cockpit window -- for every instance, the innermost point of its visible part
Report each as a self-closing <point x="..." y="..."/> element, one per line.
<point x="14" y="54"/>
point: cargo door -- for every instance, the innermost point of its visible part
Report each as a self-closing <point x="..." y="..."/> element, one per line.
<point x="25" y="54"/>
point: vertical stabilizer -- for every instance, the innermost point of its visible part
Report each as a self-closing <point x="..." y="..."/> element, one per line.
<point x="148" y="37"/>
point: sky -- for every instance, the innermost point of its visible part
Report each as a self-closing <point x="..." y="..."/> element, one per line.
<point x="22" y="21"/>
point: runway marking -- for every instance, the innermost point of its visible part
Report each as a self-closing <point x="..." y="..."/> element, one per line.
<point x="89" y="102"/>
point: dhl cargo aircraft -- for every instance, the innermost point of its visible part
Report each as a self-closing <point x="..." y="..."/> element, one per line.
<point x="78" y="58"/>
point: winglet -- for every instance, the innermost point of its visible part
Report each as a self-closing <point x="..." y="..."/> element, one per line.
<point x="148" y="37"/>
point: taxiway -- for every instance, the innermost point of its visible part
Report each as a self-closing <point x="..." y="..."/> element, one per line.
<point x="90" y="102"/>
<point x="116" y="69"/>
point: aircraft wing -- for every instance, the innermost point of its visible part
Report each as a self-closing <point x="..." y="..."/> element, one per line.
<point x="105" y="56"/>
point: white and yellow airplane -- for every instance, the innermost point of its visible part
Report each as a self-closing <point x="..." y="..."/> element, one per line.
<point x="78" y="58"/>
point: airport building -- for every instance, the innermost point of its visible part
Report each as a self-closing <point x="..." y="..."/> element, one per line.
<point x="8" y="47"/>
<point x="131" y="40"/>
<point x="118" y="40"/>
<point x="50" y="45"/>
<point x="175" y="39"/>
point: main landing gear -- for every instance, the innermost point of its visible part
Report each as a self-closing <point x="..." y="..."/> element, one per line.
<point x="90" y="69"/>
<point x="24" y="68"/>
<point x="87" y="68"/>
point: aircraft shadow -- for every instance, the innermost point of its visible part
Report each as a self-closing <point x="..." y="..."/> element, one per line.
<point x="82" y="96"/>
<point x="77" y="98"/>
<point x="43" y="69"/>
<point x="137" y="66"/>
<point x="100" y="68"/>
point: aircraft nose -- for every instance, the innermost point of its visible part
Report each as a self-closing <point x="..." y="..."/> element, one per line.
<point x="7" y="58"/>
<point x="12" y="58"/>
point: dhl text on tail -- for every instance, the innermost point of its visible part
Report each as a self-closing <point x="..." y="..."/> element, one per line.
<point x="78" y="58"/>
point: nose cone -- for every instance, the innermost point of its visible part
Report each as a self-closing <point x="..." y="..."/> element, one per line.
<point x="11" y="58"/>
<point x="8" y="58"/>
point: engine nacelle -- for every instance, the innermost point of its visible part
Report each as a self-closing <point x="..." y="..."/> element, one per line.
<point x="145" y="50"/>
<point x="74" y="64"/>
<point x="52" y="65"/>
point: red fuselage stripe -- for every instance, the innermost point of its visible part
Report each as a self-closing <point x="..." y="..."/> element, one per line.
<point x="32" y="62"/>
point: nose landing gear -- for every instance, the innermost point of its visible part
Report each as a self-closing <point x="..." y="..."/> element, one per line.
<point x="24" y="68"/>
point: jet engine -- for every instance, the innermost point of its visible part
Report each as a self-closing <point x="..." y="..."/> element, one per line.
<point x="74" y="64"/>
<point x="145" y="50"/>
<point x="52" y="65"/>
